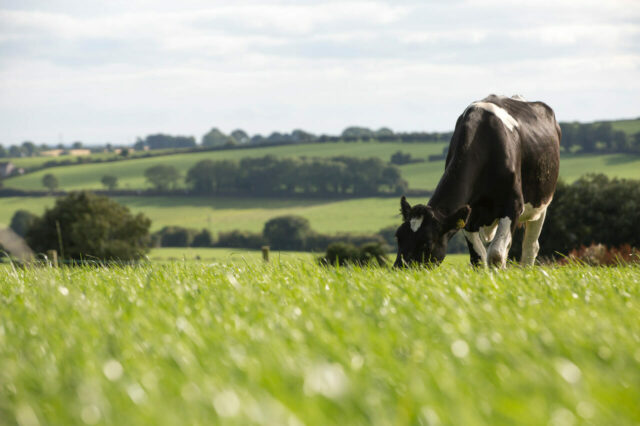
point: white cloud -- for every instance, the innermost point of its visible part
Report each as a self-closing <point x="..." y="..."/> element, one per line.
<point x="137" y="67"/>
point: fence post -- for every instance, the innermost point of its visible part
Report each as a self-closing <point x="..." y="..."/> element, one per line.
<point x="265" y="253"/>
<point x="53" y="257"/>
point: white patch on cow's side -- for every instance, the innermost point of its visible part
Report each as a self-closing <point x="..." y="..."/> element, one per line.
<point x="530" y="245"/>
<point x="531" y="213"/>
<point x="518" y="98"/>
<point x="489" y="232"/>
<point x="476" y="243"/>
<point x="501" y="113"/>
<point x="415" y="223"/>
<point x="499" y="248"/>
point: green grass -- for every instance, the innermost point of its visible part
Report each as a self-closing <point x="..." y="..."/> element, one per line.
<point x="419" y="175"/>
<point x="225" y="214"/>
<point x="293" y="343"/>
<point x="131" y="173"/>
<point x="630" y="126"/>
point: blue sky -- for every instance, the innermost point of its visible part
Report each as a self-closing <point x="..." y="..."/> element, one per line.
<point x="111" y="71"/>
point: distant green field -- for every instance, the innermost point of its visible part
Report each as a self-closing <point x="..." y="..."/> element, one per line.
<point x="356" y="215"/>
<point x="628" y="126"/>
<point x="246" y="256"/>
<point x="419" y="175"/>
<point x="131" y="173"/>
<point x="293" y="343"/>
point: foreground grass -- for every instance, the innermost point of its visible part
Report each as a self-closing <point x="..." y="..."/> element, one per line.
<point x="292" y="343"/>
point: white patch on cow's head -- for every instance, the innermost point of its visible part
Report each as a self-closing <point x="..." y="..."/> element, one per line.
<point x="415" y="223"/>
<point x="518" y="98"/>
<point x="506" y="118"/>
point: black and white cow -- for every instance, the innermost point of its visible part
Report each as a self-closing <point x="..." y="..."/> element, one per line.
<point x="501" y="170"/>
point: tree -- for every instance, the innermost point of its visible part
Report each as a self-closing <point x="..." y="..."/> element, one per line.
<point x="29" y="148"/>
<point x="50" y="182"/>
<point x="22" y="221"/>
<point x="287" y="232"/>
<point x="201" y="176"/>
<point x="202" y="239"/>
<point x="3" y="151"/>
<point x="162" y="177"/>
<point x="240" y="136"/>
<point x="84" y="226"/>
<point x="110" y="182"/>
<point x="215" y="138"/>
<point x="76" y="145"/>
<point x="15" y="151"/>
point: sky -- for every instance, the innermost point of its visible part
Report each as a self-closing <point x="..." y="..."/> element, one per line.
<point x="112" y="71"/>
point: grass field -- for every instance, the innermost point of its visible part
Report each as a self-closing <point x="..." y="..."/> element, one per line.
<point x="630" y="127"/>
<point x="293" y="343"/>
<point x="225" y="214"/>
<point x="419" y="175"/>
<point x="131" y="173"/>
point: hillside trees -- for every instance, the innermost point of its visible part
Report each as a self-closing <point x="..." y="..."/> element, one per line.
<point x="162" y="141"/>
<point x="162" y="177"/>
<point x="83" y="226"/>
<point x="50" y="182"/>
<point x="110" y="182"/>
<point x="216" y="138"/>
<point x="270" y="175"/>
<point x="22" y="221"/>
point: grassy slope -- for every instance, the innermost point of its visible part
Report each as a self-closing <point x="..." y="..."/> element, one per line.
<point x="131" y="173"/>
<point x="419" y="175"/>
<point x="628" y="126"/>
<point x="293" y="343"/>
<point x="359" y="215"/>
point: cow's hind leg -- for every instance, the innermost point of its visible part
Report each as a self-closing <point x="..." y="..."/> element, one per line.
<point x="530" y="245"/>
<point x="499" y="247"/>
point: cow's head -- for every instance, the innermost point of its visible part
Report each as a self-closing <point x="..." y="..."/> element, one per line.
<point x="424" y="233"/>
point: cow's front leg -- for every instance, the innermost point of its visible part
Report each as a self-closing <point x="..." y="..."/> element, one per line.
<point x="477" y="251"/>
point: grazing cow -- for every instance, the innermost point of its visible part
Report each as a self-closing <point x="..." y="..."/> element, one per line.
<point x="501" y="170"/>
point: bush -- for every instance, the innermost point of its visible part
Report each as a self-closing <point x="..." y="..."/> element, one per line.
<point x="287" y="232"/>
<point x="596" y="209"/>
<point x="22" y="221"/>
<point x="175" y="236"/>
<point x="601" y="255"/>
<point x="202" y="239"/>
<point x="240" y="239"/>
<point x="346" y="253"/>
<point x="83" y="225"/>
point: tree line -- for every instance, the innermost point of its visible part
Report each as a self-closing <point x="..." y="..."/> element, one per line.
<point x="594" y="209"/>
<point x="598" y="138"/>
<point x="270" y="175"/>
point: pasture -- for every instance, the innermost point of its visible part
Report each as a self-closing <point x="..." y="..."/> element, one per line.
<point x="294" y="343"/>
<point x="225" y="214"/>
<point x="425" y="175"/>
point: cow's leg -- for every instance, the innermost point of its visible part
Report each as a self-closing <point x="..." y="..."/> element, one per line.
<point x="499" y="247"/>
<point x="530" y="245"/>
<point x="477" y="251"/>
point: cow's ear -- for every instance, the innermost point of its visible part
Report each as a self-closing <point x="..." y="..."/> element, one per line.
<point x="405" y="208"/>
<point x="457" y="220"/>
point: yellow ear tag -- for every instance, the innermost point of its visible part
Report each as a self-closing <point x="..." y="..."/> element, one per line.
<point x="460" y="223"/>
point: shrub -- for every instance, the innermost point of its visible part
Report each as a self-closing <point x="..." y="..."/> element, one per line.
<point x="240" y="239"/>
<point x="287" y="232"/>
<point x="601" y="255"/>
<point x="346" y="253"/>
<point x="84" y="225"/>
<point x="22" y="221"/>
<point x="202" y="239"/>
<point x="175" y="236"/>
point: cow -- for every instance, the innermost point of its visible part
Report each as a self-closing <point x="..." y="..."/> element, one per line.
<point x="501" y="170"/>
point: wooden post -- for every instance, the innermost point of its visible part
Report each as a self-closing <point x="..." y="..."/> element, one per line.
<point x="53" y="257"/>
<point x="265" y="253"/>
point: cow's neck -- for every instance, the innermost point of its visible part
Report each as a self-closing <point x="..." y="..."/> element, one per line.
<point x="454" y="189"/>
